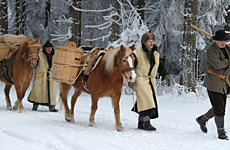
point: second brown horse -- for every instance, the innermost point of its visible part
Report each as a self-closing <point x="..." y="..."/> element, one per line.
<point x="106" y="80"/>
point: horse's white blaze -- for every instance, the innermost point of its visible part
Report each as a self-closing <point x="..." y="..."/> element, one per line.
<point x="130" y="61"/>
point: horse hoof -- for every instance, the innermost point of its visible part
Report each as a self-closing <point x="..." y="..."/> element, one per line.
<point x="9" y="107"/>
<point x="119" y="129"/>
<point x="14" y="108"/>
<point x="92" y="124"/>
<point x="70" y="120"/>
<point x="22" y="111"/>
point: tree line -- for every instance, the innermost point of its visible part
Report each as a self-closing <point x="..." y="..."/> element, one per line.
<point x="104" y="22"/>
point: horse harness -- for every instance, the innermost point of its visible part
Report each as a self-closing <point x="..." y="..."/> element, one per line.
<point x="96" y="55"/>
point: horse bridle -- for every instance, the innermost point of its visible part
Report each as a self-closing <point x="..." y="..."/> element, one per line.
<point x="31" y="55"/>
<point x="126" y="69"/>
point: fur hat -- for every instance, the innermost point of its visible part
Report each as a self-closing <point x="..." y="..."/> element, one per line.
<point x="220" y="36"/>
<point x="145" y="37"/>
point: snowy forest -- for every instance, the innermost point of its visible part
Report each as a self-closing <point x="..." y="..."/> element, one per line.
<point x="102" y="23"/>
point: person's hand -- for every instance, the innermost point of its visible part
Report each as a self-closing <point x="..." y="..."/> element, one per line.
<point x="167" y="78"/>
<point x="131" y="84"/>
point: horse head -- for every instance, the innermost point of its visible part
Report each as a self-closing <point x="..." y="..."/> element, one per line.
<point x="33" y="50"/>
<point x="127" y="62"/>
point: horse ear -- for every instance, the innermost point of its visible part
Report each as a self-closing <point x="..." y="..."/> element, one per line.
<point x="111" y="48"/>
<point x="122" y="48"/>
<point x="132" y="47"/>
<point x="38" y="40"/>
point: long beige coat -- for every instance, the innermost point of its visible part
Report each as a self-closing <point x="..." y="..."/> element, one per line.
<point x="217" y="63"/>
<point x="143" y="89"/>
<point x="39" y="92"/>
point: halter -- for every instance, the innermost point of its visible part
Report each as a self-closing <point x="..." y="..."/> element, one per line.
<point x="126" y="69"/>
<point x="31" y="55"/>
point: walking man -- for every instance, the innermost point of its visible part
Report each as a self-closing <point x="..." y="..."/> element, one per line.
<point x="147" y="66"/>
<point x="218" y="65"/>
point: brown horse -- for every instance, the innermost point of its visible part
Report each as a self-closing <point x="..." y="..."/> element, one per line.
<point x="22" y="70"/>
<point x="106" y="80"/>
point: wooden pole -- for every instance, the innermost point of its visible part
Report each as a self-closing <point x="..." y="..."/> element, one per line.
<point x="196" y="28"/>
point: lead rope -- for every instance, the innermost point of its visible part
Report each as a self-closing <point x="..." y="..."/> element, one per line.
<point x="132" y="93"/>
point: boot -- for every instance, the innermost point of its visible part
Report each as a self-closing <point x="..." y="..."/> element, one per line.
<point x="35" y="107"/>
<point x="144" y="124"/>
<point x="52" y="108"/>
<point x="222" y="135"/>
<point x="204" y="118"/>
<point x="220" y="128"/>
<point x="202" y="124"/>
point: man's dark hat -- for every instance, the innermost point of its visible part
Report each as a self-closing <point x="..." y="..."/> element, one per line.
<point x="48" y="44"/>
<point x="220" y="36"/>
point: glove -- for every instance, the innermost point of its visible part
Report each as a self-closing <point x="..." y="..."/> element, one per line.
<point x="131" y="84"/>
<point x="167" y="78"/>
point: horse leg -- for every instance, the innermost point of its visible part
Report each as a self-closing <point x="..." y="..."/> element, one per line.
<point x="73" y="102"/>
<point x="18" y="105"/>
<point x="115" y="102"/>
<point x="20" y="90"/>
<point x="64" y="89"/>
<point x="7" y="97"/>
<point x="94" y="107"/>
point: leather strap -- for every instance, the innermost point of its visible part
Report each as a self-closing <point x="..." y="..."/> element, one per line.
<point x="219" y="75"/>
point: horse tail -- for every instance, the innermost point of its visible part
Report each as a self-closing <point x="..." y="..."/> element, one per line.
<point x="59" y="102"/>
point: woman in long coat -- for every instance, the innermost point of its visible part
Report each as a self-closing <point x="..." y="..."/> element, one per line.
<point x="147" y="66"/>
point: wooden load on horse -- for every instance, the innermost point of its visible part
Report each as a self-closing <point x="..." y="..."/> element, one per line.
<point x="9" y="44"/>
<point x="66" y="62"/>
<point x="92" y="58"/>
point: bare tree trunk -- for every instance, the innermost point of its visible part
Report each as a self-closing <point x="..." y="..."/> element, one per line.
<point x="188" y="73"/>
<point x="3" y="17"/>
<point x="47" y="13"/>
<point x="20" y="7"/>
<point x="115" y="27"/>
<point x="140" y="5"/>
<point x="227" y="19"/>
<point x="76" y="25"/>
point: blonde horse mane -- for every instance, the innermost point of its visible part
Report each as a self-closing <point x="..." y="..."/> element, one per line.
<point x="110" y="56"/>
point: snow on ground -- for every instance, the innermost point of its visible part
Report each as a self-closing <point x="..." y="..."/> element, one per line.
<point x="43" y="130"/>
